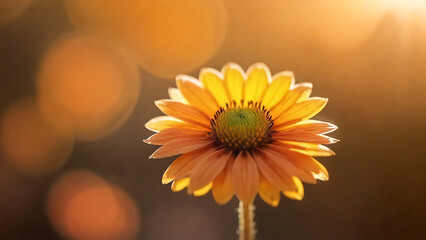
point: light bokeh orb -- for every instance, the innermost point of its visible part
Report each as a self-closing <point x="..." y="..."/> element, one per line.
<point x="166" y="38"/>
<point x="341" y="24"/>
<point x="12" y="9"/>
<point x="28" y="143"/>
<point x="87" y="87"/>
<point x="82" y="205"/>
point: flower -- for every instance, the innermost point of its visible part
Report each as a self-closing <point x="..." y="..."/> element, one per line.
<point x="241" y="133"/>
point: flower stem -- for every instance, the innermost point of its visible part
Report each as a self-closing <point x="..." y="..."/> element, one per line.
<point x="247" y="226"/>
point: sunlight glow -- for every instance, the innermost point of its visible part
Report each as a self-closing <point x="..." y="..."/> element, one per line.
<point x="407" y="9"/>
<point x="405" y="4"/>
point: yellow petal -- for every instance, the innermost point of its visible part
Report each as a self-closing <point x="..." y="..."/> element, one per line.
<point x="234" y="81"/>
<point x="310" y="149"/>
<point x="196" y="95"/>
<point x="183" y="112"/>
<point x="176" y="95"/>
<point x="290" y="98"/>
<point x="180" y="184"/>
<point x="208" y="169"/>
<point x="268" y="192"/>
<point x="305" y="94"/>
<point x="245" y="177"/>
<point x="323" y="173"/>
<point x="257" y="81"/>
<point x="223" y="189"/>
<point x="164" y="122"/>
<point x="212" y="81"/>
<point x="202" y="191"/>
<point x="296" y="195"/>
<point x="278" y="89"/>
<point x="301" y="111"/>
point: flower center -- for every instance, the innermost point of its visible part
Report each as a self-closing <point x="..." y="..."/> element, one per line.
<point x="242" y="127"/>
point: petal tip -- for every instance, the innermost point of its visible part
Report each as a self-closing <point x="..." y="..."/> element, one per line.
<point x="260" y="65"/>
<point x="181" y="77"/>
<point x="321" y="176"/>
<point x="159" y="103"/>
<point x="232" y="66"/>
<point x="207" y="70"/>
<point x="304" y="85"/>
<point x="166" y="179"/>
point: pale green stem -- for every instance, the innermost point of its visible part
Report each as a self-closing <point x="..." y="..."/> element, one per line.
<point x="247" y="226"/>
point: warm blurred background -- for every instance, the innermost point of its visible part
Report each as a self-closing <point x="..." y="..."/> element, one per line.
<point x="77" y="83"/>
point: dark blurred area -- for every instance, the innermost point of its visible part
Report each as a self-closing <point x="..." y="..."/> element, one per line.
<point x="78" y="81"/>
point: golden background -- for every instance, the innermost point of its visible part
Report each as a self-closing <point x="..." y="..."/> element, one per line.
<point x="96" y="182"/>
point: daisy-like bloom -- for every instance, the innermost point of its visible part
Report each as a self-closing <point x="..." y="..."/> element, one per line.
<point x="241" y="133"/>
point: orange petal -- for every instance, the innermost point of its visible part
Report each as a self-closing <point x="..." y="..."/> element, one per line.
<point x="180" y="184"/>
<point x="299" y="193"/>
<point x="212" y="81"/>
<point x="223" y="189"/>
<point x="196" y="95"/>
<point x="176" y="95"/>
<point x="291" y="98"/>
<point x="245" y="177"/>
<point x="184" y="164"/>
<point x="258" y="77"/>
<point x="183" y="112"/>
<point x="268" y="192"/>
<point x="276" y="171"/>
<point x="283" y="165"/>
<point x="302" y="161"/>
<point x="164" y="122"/>
<point x="234" y="81"/>
<point x="301" y="111"/>
<point x="208" y="169"/>
<point x="310" y="126"/>
<point x="180" y="146"/>
<point x="202" y="191"/>
<point x="305" y="137"/>
<point x="170" y="134"/>
<point x="279" y="87"/>
<point x="310" y="149"/>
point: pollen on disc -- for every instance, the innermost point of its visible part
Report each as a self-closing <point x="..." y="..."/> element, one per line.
<point x="165" y="38"/>
<point x="82" y="205"/>
<point x="87" y="87"/>
<point x="28" y="143"/>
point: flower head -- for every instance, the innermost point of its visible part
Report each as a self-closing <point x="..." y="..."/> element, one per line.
<point x="241" y="134"/>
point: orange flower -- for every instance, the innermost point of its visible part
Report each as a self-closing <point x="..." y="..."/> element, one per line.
<point x="241" y="134"/>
